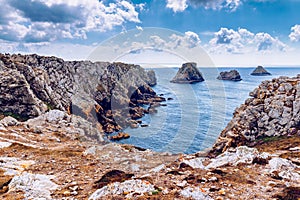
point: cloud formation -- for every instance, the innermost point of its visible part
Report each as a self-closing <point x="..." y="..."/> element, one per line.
<point x="48" y="20"/>
<point x="229" y="5"/>
<point x="177" y="5"/>
<point x="295" y="33"/>
<point x="243" y="41"/>
<point x="189" y="40"/>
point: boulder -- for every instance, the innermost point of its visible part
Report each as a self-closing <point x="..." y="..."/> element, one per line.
<point x="260" y="71"/>
<point x="34" y="186"/>
<point x="188" y="73"/>
<point x="120" y="136"/>
<point x="232" y="75"/>
<point x="129" y="188"/>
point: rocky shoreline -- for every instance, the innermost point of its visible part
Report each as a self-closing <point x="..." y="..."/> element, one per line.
<point x="54" y="154"/>
<point x="109" y="93"/>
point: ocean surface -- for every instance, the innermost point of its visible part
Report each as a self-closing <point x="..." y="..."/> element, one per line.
<point x="193" y="120"/>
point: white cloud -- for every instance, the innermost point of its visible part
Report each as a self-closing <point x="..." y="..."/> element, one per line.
<point x="295" y="33"/>
<point x="139" y="28"/>
<point x="177" y="5"/>
<point x="229" y="5"/>
<point x="216" y="4"/>
<point x="48" y="20"/>
<point x="243" y="41"/>
<point x="189" y="40"/>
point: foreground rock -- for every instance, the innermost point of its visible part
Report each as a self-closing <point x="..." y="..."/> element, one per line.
<point x="272" y="111"/>
<point x="260" y="71"/>
<point x="232" y="75"/>
<point x="49" y="158"/>
<point x="188" y="73"/>
<point x="108" y="93"/>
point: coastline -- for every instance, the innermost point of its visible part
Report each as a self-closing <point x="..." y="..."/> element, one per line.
<point x="53" y="150"/>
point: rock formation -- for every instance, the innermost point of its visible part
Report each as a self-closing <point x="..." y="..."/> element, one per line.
<point x="48" y="157"/>
<point x="273" y="110"/>
<point x="54" y="156"/>
<point x="260" y="71"/>
<point x="188" y="73"/>
<point x="232" y="75"/>
<point x="101" y="91"/>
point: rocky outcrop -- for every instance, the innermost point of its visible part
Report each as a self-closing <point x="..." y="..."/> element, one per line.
<point x="273" y="110"/>
<point x="48" y="158"/>
<point x="105" y="92"/>
<point x="188" y="73"/>
<point x="260" y="71"/>
<point x="232" y="75"/>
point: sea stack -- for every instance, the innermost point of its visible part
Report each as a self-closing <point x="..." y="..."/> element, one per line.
<point x="188" y="73"/>
<point x="260" y="71"/>
<point x="232" y="75"/>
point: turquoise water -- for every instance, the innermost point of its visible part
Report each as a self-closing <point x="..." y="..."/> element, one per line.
<point x="198" y="112"/>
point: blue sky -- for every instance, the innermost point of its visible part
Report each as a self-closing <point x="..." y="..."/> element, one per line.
<point x="232" y="32"/>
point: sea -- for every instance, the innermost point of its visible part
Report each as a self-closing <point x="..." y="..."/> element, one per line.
<point x="196" y="114"/>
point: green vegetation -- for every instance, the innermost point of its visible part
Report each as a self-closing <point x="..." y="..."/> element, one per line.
<point x="14" y="115"/>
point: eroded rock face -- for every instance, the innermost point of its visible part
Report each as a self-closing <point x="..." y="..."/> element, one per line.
<point x="101" y="91"/>
<point x="232" y="75"/>
<point x="272" y="110"/>
<point x="188" y="73"/>
<point x="260" y="71"/>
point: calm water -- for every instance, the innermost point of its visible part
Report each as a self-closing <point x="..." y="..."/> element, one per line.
<point x="198" y="112"/>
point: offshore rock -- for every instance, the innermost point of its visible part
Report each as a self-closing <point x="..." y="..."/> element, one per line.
<point x="188" y="73"/>
<point x="260" y="71"/>
<point x="232" y="75"/>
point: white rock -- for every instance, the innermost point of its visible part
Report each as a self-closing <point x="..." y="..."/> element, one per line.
<point x="135" y="167"/>
<point x="92" y="151"/>
<point x="5" y="144"/>
<point x="158" y="168"/>
<point x="55" y="116"/>
<point x="9" y="121"/>
<point x="243" y="154"/>
<point x="35" y="186"/>
<point x="194" y="193"/>
<point x="129" y="186"/>
<point x="181" y="183"/>
<point x="284" y="168"/>
<point x="13" y="166"/>
<point x="195" y="163"/>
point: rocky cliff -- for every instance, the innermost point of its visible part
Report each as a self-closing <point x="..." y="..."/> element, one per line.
<point x="51" y="157"/>
<point x="110" y="93"/>
<point x="273" y="110"/>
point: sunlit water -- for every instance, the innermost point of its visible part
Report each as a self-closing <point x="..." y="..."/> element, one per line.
<point x="198" y="112"/>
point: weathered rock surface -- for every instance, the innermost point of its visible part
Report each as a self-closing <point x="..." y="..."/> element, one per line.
<point x="188" y="73"/>
<point x="232" y="75"/>
<point x="57" y="162"/>
<point x="273" y="110"/>
<point x="260" y="71"/>
<point x="101" y="91"/>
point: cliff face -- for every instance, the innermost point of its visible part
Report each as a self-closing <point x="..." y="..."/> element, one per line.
<point x="101" y="91"/>
<point x="272" y="110"/>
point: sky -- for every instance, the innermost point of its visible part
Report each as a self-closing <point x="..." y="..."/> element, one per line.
<point x="231" y="32"/>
